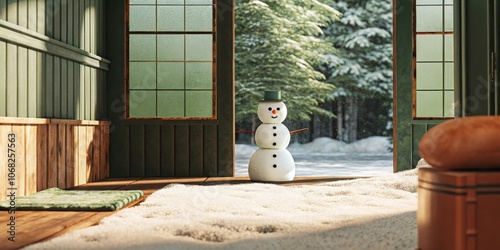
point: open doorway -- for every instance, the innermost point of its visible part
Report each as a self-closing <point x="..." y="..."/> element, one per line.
<point x="339" y="87"/>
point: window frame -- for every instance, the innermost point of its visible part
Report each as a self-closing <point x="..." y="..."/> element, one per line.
<point x="214" y="67"/>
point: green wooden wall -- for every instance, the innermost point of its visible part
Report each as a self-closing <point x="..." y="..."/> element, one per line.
<point x="160" y="148"/>
<point x="52" y="61"/>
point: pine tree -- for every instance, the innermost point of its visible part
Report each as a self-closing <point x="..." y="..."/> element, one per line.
<point x="362" y="67"/>
<point x="278" y="48"/>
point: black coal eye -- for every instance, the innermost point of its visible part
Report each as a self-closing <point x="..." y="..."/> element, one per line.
<point x="278" y="109"/>
<point x="274" y="127"/>
<point x="274" y="166"/>
<point x="275" y="134"/>
<point x="270" y="109"/>
<point x="275" y="156"/>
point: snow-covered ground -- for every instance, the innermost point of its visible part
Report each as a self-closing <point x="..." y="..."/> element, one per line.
<point x="329" y="157"/>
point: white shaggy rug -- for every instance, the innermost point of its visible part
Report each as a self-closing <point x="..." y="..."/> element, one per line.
<point x="373" y="213"/>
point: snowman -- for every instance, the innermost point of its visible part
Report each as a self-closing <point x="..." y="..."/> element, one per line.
<point x="272" y="162"/>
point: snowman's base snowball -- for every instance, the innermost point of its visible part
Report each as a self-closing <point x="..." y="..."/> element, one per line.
<point x="271" y="165"/>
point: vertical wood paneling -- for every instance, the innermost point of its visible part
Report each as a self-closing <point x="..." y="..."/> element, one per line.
<point x="12" y="11"/>
<point x="18" y="130"/>
<point x="418" y="130"/>
<point x="71" y="19"/>
<point x="87" y="93"/>
<point x="87" y="25"/>
<point x="49" y="18"/>
<point x="22" y="81"/>
<point x="32" y="15"/>
<point x="71" y="90"/>
<point x="92" y="23"/>
<point x="4" y="131"/>
<point x="167" y="155"/>
<point x="61" y="155"/>
<point x="3" y="78"/>
<point x="64" y="89"/>
<point x="52" y="157"/>
<point x="210" y="150"/>
<point x="64" y="21"/>
<point x="57" y="87"/>
<point x="42" y="159"/>
<point x="137" y="151"/>
<point x="96" y="153"/>
<point x="82" y="155"/>
<point x="76" y="155"/>
<point x="195" y="150"/>
<point x="31" y="159"/>
<point x="41" y="108"/>
<point x="41" y="23"/>
<point x="70" y="156"/>
<point x="105" y="151"/>
<point x="93" y="93"/>
<point x="152" y="150"/>
<point x="49" y="85"/>
<point x="3" y="9"/>
<point x="81" y="98"/>
<point x="12" y="80"/>
<point x="119" y="150"/>
<point x="81" y="24"/>
<point x="32" y="84"/>
<point x="102" y="28"/>
<point x="56" y="22"/>
<point x="22" y="12"/>
<point x="181" y="151"/>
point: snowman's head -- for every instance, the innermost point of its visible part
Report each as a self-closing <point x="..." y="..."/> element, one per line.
<point x="272" y="112"/>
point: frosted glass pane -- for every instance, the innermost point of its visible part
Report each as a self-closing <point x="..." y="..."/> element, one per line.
<point x="448" y="48"/>
<point x="171" y="2"/>
<point x="170" y="75"/>
<point x="199" y="75"/>
<point x="142" y="18"/>
<point x="142" y="75"/>
<point x="199" y="104"/>
<point x="199" y="2"/>
<point x="429" y="103"/>
<point x="170" y="103"/>
<point x="429" y="18"/>
<point x="448" y="2"/>
<point x="429" y="76"/>
<point x="449" y="100"/>
<point x="429" y="2"/>
<point x="429" y="48"/>
<point x="142" y="1"/>
<point x="142" y="47"/>
<point x="449" y="76"/>
<point x="199" y="18"/>
<point x="199" y="47"/>
<point x="171" y="18"/>
<point x="171" y="47"/>
<point x="448" y="18"/>
<point x="142" y="103"/>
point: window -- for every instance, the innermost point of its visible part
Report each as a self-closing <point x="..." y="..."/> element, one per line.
<point x="171" y="48"/>
<point x="433" y="35"/>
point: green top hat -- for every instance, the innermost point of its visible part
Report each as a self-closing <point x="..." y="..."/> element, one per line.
<point x="272" y="96"/>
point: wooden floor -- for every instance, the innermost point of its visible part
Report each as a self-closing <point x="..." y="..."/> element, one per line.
<point x="36" y="226"/>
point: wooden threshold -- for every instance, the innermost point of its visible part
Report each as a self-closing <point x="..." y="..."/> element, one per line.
<point x="37" y="226"/>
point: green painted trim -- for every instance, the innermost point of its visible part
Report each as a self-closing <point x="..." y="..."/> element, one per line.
<point x="17" y="35"/>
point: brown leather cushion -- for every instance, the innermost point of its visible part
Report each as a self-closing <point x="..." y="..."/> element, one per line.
<point x="463" y="143"/>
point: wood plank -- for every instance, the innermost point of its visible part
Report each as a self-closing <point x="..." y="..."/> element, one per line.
<point x="12" y="86"/>
<point x="86" y="27"/>
<point x="96" y="167"/>
<point x="152" y="150"/>
<point x="32" y="15"/>
<point x="105" y="150"/>
<point x="4" y="131"/>
<point x="181" y="150"/>
<point x="52" y="157"/>
<point x="42" y="157"/>
<point x="81" y="98"/>
<point x="93" y="94"/>
<point x="64" y="89"/>
<point x="90" y="151"/>
<point x="58" y="95"/>
<point x="119" y="151"/>
<point x="167" y="156"/>
<point x="23" y="121"/>
<point x="82" y="155"/>
<point x="88" y="95"/>
<point x="137" y="155"/>
<point x="195" y="150"/>
<point x="12" y="11"/>
<point x="69" y="159"/>
<point x="22" y="13"/>
<point x="71" y="19"/>
<point x="210" y="150"/>
<point x="56" y="19"/>
<point x="76" y="152"/>
<point x="71" y="90"/>
<point x="49" y="19"/>
<point x="92" y="26"/>
<point x="40" y="85"/>
<point x="61" y="156"/>
<point x="33" y="93"/>
<point x="22" y="81"/>
<point x="20" y="157"/>
<point x="49" y="85"/>
<point x="3" y="75"/>
<point x="3" y="9"/>
<point x="79" y="25"/>
<point x="31" y="158"/>
<point x="64" y="21"/>
<point x="41" y="21"/>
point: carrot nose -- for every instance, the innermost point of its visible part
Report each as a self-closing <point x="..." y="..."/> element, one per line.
<point x="274" y="111"/>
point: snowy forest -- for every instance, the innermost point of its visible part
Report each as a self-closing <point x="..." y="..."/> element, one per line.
<point x="331" y="59"/>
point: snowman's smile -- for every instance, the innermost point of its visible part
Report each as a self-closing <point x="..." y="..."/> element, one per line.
<point x="274" y="117"/>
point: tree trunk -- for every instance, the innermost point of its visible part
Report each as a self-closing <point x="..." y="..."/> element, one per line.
<point x="340" y="119"/>
<point x="351" y="119"/>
